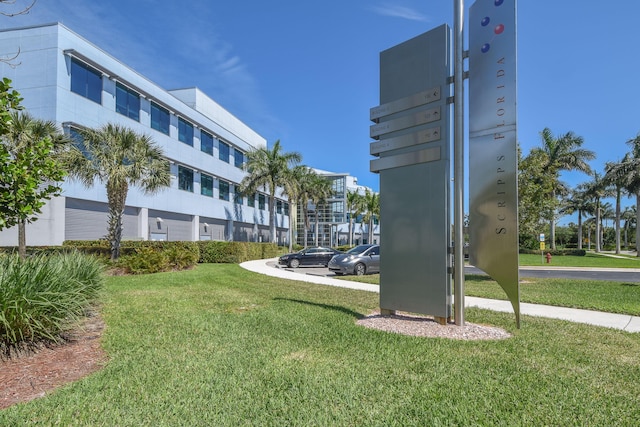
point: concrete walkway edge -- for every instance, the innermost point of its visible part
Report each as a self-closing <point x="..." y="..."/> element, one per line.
<point x="608" y="320"/>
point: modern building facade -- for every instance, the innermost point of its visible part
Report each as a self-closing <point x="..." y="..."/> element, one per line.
<point x="66" y="79"/>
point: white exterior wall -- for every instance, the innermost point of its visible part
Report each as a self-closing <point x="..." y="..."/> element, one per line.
<point x="43" y="80"/>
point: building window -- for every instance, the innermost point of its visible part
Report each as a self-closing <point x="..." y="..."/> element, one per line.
<point x="206" y="142"/>
<point x="185" y="178"/>
<point x="286" y="209"/>
<point x="261" y="202"/>
<point x="279" y="206"/>
<point x="206" y="185"/>
<point x="127" y="102"/>
<point x="238" y="158"/>
<point x="251" y="201"/>
<point x="86" y="81"/>
<point x="223" y="190"/>
<point x="237" y="197"/>
<point x="159" y="118"/>
<point x="185" y="131"/>
<point x="223" y="151"/>
<point x="337" y="186"/>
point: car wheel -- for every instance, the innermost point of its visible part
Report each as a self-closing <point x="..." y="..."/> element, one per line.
<point x="360" y="269"/>
<point x="294" y="263"/>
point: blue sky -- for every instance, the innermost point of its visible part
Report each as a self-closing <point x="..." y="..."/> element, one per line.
<point x="306" y="73"/>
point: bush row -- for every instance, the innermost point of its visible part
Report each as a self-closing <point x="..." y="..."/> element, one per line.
<point x="554" y="252"/>
<point x="43" y="295"/>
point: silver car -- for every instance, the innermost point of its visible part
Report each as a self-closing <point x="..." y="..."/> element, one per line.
<point x="363" y="259"/>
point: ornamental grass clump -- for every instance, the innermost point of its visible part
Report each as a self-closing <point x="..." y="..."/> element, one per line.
<point x="43" y="296"/>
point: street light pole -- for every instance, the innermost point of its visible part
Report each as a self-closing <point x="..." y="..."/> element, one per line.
<point x="458" y="160"/>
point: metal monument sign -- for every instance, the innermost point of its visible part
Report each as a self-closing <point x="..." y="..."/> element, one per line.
<point x="493" y="191"/>
<point x="412" y="132"/>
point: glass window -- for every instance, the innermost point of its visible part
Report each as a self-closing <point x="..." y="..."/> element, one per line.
<point x="261" y="201"/>
<point x="206" y="142"/>
<point x="159" y="118"/>
<point x="206" y="185"/>
<point x="286" y="209"/>
<point x="223" y="190"/>
<point x="237" y="197"/>
<point x="185" y="131"/>
<point x="185" y="178"/>
<point x="78" y="141"/>
<point x="279" y="206"/>
<point x="86" y="81"/>
<point x="238" y="158"/>
<point x="251" y="201"/>
<point x="127" y="102"/>
<point x="223" y="151"/>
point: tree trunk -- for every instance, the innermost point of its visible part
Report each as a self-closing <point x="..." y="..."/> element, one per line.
<point x="618" y="194"/>
<point x="293" y="223"/>
<point x="116" y="195"/>
<point x="22" y="239"/>
<point x="350" y="231"/>
<point x="597" y="227"/>
<point x="552" y="233"/>
<point x="317" y="225"/>
<point x="579" y="229"/>
<point x="272" y="218"/>
<point x="638" y="225"/>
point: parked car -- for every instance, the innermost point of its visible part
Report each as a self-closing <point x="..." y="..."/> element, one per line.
<point x="363" y="259"/>
<point x="316" y="255"/>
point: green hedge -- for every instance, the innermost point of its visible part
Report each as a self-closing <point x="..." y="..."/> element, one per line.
<point x="236" y="252"/>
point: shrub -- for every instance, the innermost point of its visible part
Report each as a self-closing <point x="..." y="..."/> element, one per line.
<point x="154" y="257"/>
<point x="43" y="296"/>
<point x="555" y="252"/>
<point x="236" y="252"/>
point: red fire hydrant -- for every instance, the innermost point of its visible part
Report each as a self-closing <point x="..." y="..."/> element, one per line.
<point x="548" y="256"/>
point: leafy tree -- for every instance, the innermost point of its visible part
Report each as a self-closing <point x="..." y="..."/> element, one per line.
<point x="34" y="149"/>
<point x="372" y="211"/>
<point x="319" y="192"/>
<point x="618" y="176"/>
<point x="629" y="218"/>
<point x="633" y="183"/>
<point x="355" y="207"/>
<point x="268" y="169"/>
<point x="580" y="203"/>
<point x="292" y="188"/>
<point x="596" y="190"/>
<point x="561" y="153"/>
<point x="306" y="181"/>
<point x="119" y="158"/>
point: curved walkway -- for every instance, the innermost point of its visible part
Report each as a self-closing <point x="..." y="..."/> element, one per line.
<point x="608" y="320"/>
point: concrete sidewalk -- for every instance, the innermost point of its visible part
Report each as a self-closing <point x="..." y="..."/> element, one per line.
<point x="608" y="320"/>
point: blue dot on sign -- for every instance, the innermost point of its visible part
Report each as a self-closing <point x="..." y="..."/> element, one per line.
<point x="499" y="2"/>
<point x="485" y="21"/>
<point x="485" y="48"/>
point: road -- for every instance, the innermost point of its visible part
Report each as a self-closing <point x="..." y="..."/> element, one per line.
<point x="614" y="275"/>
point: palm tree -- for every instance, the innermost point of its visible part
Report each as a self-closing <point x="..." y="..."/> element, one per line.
<point x="580" y="203"/>
<point x="293" y="188"/>
<point x="319" y="192"/>
<point x="355" y="207"/>
<point x="617" y="175"/>
<point x="372" y="211"/>
<point x="607" y="212"/>
<point x="633" y="183"/>
<point x="596" y="190"/>
<point x="561" y="153"/>
<point x="268" y="169"/>
<point x="629" y="218"/>
<point x="22" y="133"/>
<point x="119" y="158"/>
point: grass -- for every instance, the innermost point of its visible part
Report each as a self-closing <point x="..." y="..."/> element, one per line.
<point x="589" y="260"/>
<point x="222" y="346"/>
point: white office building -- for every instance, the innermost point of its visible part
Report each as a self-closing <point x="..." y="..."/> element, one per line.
<point x="64" y="78"/>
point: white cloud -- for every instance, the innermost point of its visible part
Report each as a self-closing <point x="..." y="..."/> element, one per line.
<point x="400" y="12"/>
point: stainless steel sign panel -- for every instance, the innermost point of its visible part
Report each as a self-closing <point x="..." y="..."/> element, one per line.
<point x="404" y="122"/>
<point x="493" y="191"/>
<point x="407" y="140"/>
<point x="405" y="159"/>
<point x="425" y="97"/>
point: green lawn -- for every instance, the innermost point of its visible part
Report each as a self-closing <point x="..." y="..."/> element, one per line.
<point x="222" y="346"/>
<point x="589" y="260"/>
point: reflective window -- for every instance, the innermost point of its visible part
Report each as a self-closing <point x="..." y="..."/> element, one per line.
<point x="185" y="131"/>
<point x="223" y="151"/>
<point x="286" y="209"/>
<point x="206" y="185"/>
<point x="238" y="158"/>
<point x="237" y="197"/>
<point x="86" y="81"/>
<point x="206" y="142"/>
<point x="223" y="190"/>
<point x="279" y="206"/>
<point x="261" y="201"/>
<point x="159" y="118"/>
<point x="127" y="102"/>
<point x="185" y="178"/>
<point x="251" y="201"/>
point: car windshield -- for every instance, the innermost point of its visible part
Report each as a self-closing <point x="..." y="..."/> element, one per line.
<point x="358" y="249"/>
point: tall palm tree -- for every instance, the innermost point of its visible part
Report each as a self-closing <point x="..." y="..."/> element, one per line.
<point x="562" y="153"/>
<point x="633" y="184"/>
<point x="629" y="218"/>
<point x="23" y="132"/>
<point x="268" y="169"/>
<point x="596" y="190"/>
<point x="617" y="175"/>
<point x="319" y="191"/>
<point x="355" y="207"/>
<point x="293" y="188"/>
<point x="580" y="203"/>
<point x="372" y="211"/>
<point x="607" y="212"/>
<point x="119" y="158"/>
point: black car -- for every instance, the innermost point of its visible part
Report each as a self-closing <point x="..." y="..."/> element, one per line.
<point x="316" y="255"/>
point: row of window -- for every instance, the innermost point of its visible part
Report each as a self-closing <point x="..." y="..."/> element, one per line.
<point x="186" y="179"/>
<point x="87" y="82"/>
